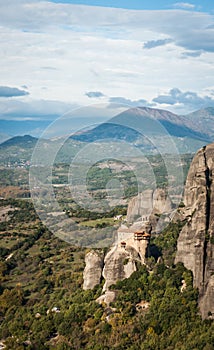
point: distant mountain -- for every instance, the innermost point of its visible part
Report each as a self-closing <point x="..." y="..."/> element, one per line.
<point x="141" y="127"/>
<point x="107" y="131"/>
<point x="25" y="141"/>
<point x="135" y="125"/>
<point x="17" y="150"/>
<point x="130" y="124"/>
<point x="203" y="120"/>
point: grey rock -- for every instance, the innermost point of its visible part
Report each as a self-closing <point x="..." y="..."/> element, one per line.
<point x="118" y="265"/>
<point x="93" y="269"/>
<point x="107" y="298"/>
<point x="206" y="300"/>
<point x="195" y="248"/>
<point x="148" y="203"/>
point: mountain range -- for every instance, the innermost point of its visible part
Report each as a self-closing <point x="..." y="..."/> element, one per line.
<point x="143" y="127"/>
<point x="138" y="124"/>
<point x="150" y="128"/>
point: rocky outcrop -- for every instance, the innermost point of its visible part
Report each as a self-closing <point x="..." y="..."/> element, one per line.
<point x="118" y="265"/>
<point x="107" y="298"/>
<point x="131" y="246"/>
<point x="206" y="301"/>
<point x="93" y="269"/>
<point x="148" y="203"/>
<point x="195" y="246"/>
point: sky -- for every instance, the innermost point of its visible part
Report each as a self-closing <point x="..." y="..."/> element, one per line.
<point x="205" y="5"/>
<point x="58" y="55"/>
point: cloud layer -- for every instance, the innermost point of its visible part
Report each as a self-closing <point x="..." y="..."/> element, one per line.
<point x="71" y="53"/>
<point x="33" y="109"/>
<point x="175" y="96"/>
<point x="190" y="30"/>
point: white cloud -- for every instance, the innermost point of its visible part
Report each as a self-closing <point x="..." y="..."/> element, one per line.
<point x="61" y="51"/>
<point x="11" y="109"/>
<point x="45" y="16"/>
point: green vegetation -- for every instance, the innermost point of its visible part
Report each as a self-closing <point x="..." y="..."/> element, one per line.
<point x="43" y="306"/>
<point x="99" y="223"/>
<point x="13" y="177"/>
<point x="99" y="178"/>
<point x="164" y="244"/>
<point x="81" y="213"/>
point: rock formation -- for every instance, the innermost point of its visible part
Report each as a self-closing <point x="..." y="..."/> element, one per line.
<point x="93" y="269"/>
<point x="195" y="247"/>
<point x="132" y="246"/>
<point x="132" y="243"/>
<point x="148" y="203"/>
<point x="118" y="265"/>
<point x="107" y="298"/>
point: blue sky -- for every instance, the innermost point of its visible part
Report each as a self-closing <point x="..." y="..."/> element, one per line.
<point x="56" y="55"/>
<point x="200" y="5"/>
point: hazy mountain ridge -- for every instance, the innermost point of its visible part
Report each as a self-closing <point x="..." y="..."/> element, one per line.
<point x="135" y="126"/>
<point x="193" y="121"/>
<point x="126" y="126"/>
<point x="21" y="141"/>
<point x="143" y="125"/>
<point x="203" y="120"/>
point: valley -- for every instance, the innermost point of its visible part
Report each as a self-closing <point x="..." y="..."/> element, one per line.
<point x="106" y="175"/>
<point x="78" y="273"/>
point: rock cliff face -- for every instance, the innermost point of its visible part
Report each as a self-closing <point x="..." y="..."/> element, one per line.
<point x="147" y="203"/>
<point x="195" y="247"/>
<point x="132" y="246"/>
<point x="93" y="269"/>
<point x="119" y="264"/>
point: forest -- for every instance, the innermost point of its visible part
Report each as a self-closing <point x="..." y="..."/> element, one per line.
<point x="43" y="305"/>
